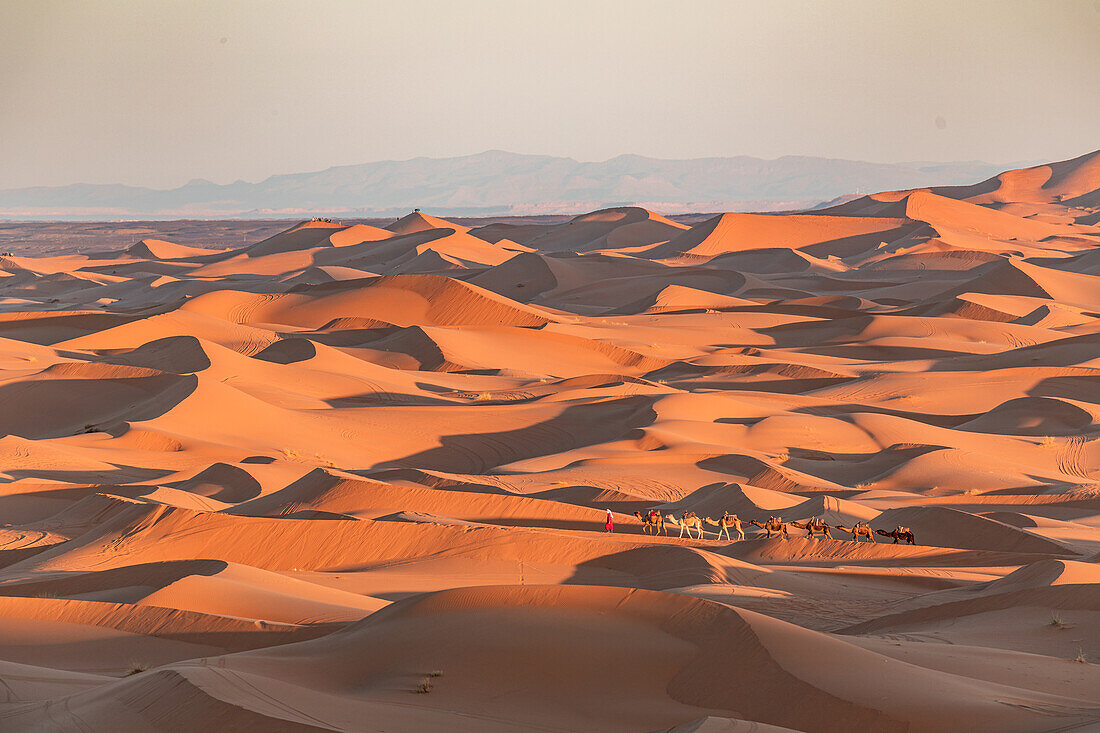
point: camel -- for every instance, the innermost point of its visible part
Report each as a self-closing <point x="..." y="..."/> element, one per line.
<point x="652" y="521"/>
<point x="774" y="524"/>
<point x="688" y="521"/>
<point x="725" y="522"/>
<point x="862" y="529"/>
<point x="901" y="533"/>
<point x="813" y="525"/>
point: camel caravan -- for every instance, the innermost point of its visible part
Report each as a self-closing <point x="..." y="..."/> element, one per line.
<point x="814" y="526"/>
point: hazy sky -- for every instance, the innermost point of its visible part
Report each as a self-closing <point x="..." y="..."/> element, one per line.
<point x="155" y="93"/>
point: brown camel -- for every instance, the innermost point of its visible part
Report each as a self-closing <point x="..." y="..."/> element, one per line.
<point x="814" y="525"/>
<point x="862" y="529"/>
<point x="653" y="521"/>
<point x="901" y="533"/>
<point x="688" y="521"/>
<point x="774" y="524"/>
<point x="726" y="521"/>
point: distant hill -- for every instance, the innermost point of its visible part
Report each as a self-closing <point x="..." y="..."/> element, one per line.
<point x="500" y="183"/>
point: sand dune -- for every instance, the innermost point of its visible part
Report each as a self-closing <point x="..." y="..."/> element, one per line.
<point x="417" y="222"/>
<point x="739" y="232"/>
<point x="658" y="648"/>
<point x="156" y="249"/>
<point x="350" y="473"/>
<point x="606" y="229"/>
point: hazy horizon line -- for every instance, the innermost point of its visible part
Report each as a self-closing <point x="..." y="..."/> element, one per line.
<point x="1008" y="165"/>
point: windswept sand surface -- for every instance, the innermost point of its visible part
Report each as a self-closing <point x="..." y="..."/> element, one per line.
<point x="354" y="478"/>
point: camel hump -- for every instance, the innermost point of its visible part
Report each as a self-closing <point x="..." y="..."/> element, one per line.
<point x="903" y="530"/>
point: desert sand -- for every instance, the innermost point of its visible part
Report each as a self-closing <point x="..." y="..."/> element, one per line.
<point x="355" y="477"/>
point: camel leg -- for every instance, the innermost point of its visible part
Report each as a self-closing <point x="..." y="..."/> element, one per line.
<point x="740" y="534"/>
<point x="873" y="540"/>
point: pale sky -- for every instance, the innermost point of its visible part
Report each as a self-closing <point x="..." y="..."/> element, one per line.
<point x="155" y="93"/>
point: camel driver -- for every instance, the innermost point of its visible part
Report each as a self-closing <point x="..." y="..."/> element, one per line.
<point x="610" y="524"/>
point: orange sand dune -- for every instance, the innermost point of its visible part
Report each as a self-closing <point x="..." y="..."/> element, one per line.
<point x="351" y="478"/>
<point x="156" y="249"/>
<point x="599" y="648"/>
<point x="738" y="232"/>
<point x="417" y="222"/>
<point x="605" y="229"/>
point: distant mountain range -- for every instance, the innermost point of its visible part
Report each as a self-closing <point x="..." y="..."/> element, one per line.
<point x="497" y="183"/>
